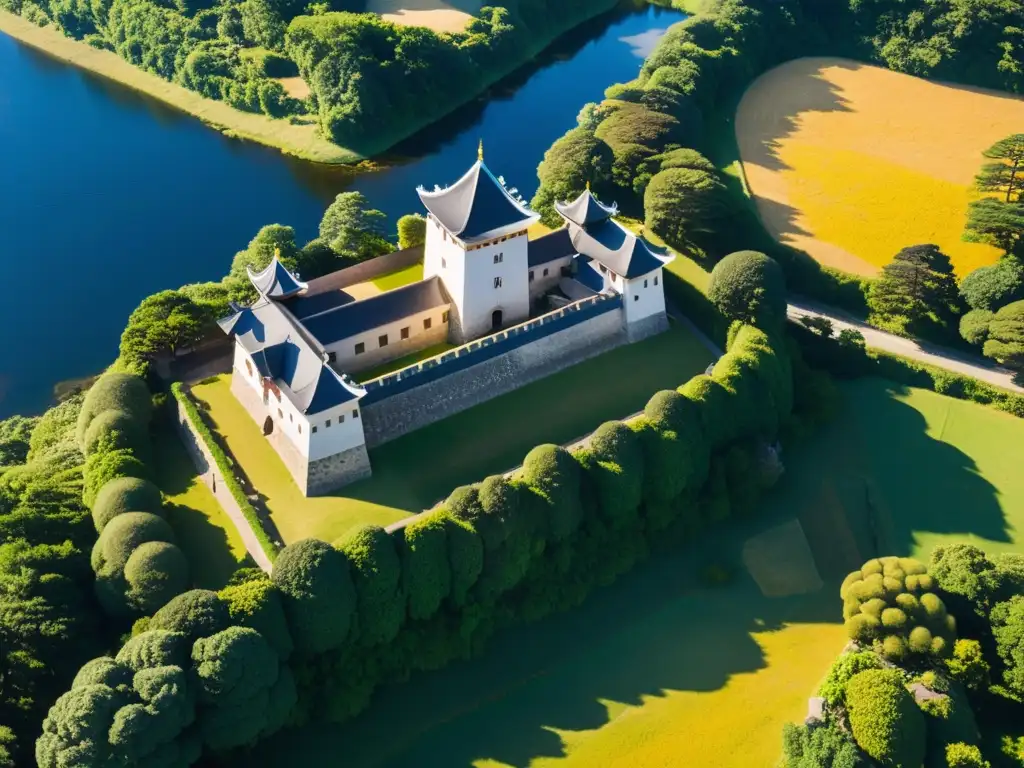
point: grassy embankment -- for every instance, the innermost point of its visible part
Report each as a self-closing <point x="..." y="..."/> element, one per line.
<point x="851" y="162"/>
<point x="298" y="140"/>
<point x="661" y="670"/>
<point x="405" y="480"/>
<point x="204" y="532"/>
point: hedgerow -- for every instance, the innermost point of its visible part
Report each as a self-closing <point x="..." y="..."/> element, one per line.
<point x="376" y="606"/>
<point x="227" y="472"/>
<point x="885" y="721"/>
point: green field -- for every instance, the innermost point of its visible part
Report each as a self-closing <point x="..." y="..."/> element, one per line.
<point x="408" y="478"/>
<point x="400" y="277"/>
<point x="658" y="670"/>
<point x="205" y="534"/>
<point x="402" y="362"/>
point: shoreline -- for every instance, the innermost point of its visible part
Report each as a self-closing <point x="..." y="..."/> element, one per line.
<point x="300" y="141"/>
<point x="297" y="140"/>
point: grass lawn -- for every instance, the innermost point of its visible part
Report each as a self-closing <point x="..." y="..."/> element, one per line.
<point x="402" y="362"/>
<point x="557" y="409"/>
<point x="399" y="278"/>
<point x="656" y="670"/>
<point x="841" y="157"/>
<point x="204" y="532"/>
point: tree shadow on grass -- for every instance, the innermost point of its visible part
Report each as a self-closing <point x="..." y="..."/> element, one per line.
<point x="655" y="631"/>
<point x="919" y="483"/>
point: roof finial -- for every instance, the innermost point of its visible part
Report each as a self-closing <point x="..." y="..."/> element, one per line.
<point x="277" y="254"/>
<point x="588" y="185"/>
<point x="480" y="151"/>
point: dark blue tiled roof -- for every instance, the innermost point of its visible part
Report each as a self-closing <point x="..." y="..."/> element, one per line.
<point x="549" y="247"/>
<point x="617" y="248"/>
<point x="476" y="205"/>
<point x="585" y="210"/>
<point x="367" y="314"/>
<point x="275" y="281"/>
<point x="307" y="306"/>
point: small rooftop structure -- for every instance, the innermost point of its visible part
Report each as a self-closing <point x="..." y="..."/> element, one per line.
<point x="276" y="282"/>
<point x="283" y="356"/>
<point x="586" y="209"/>
<point x="477" y="207"/>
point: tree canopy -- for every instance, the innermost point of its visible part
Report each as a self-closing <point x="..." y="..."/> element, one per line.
<point x="750" y="287"/>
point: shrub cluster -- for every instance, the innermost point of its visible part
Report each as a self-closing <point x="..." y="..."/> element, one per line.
<point x="137" y="562"/>
<point x="191" y="680"/>
<point x="889" y="604"/>
<point x="226" y="469"/>
<point x="855" y="361"/>
<point x="373" y="607"/>
<point x="884" y="718"/>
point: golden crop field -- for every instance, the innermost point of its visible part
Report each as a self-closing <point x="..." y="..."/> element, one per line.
<point x="851" y="162"/>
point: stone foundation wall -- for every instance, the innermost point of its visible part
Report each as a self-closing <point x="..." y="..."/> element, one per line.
<point x="396" y="415"/>
<point x="330" y="473"/>
<point x="649" y="326"/>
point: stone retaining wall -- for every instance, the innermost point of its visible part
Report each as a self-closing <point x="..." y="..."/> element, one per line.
<point x="392" y="416"/>
<point x="211" y="477"/>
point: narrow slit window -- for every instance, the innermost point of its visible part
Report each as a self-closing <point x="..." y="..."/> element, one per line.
<point x="382" y="340"/>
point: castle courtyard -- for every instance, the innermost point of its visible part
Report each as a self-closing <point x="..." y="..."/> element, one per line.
<point x="414" y="472"/>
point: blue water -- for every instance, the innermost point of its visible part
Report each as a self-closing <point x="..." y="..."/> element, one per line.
<point x="107" y="196"/>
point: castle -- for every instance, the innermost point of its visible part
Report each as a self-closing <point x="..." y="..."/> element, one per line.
<point x="518" y="309"/>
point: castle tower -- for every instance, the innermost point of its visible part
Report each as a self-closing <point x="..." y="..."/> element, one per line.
<point x="477" y="245"/>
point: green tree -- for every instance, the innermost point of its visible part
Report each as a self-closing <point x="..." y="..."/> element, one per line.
<point x="256" y="603"/>
<point x="818" y="746"/>
<point x="750" y="287"/>
<point x="1005" y="341"/>
<point x="125" y="494"/>
<point x="689" y="209"/>
<point x="114" y="392"/>
<point x="968" y="667"/>
<point x="994" y="286"/>
<point x="974" y="326"/>
<point x="573" y="160"/>
<point x="918" y="281"/>
<point x="315" y="583"/>
<point x="960" y="755"/>
<point x="271" y="240"/>
<point x="353" y="229"/>
<point x="1006" y="175"/>
<point x="996" y="223"/>
<point x="377" y="576"/>
<point x="1008" y="630"/>
<point x="412" y="231"/>
<point x="426" y="573"/>
<point x="885" y="721"/>
<point x="193" y="614"/>
<point x="160" y="326"/>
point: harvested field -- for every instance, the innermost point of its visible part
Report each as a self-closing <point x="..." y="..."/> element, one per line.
<point x="435" y="14"/>
<point x="851" y="162"/>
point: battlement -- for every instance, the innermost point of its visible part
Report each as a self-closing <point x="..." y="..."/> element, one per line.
<point x="478" y="351"/>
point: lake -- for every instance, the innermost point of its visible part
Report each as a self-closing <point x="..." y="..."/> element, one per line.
<point x="107" y="196"/>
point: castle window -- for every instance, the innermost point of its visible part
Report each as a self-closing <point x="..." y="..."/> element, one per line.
<point x="444" y="263"/>
<point x="248" y="367"/>
<point x="300" y="429"/>
<point x="341" y="419"/>
<point x="382" y="340"/>
<point x="645" y="283"/>
<point x="291" y="417"/>
<point x="636" y="297"/>
<point x="444" y="316"/>
<point x="355" y="414"/>
<point x="545" y="271"/>
<point x="327" y="423"/>
<point x="531" y="275"/>
<point x="499" y="257"/>
<point x="280" y="413"/>
<point x="314" y="429"/>
<point x="360" y="347"/>
<point x="497" y="282"/>
<point x="332" y="356"/>
<point x="426" y="323"/>
<point x="405" y="332"/>
<point x="655" y="279"/>
<point x="604" y="269"/>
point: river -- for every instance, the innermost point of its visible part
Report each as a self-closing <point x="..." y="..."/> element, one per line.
<point x="107" y="196"/>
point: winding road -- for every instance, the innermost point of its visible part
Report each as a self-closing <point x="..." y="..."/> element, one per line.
<point x="932" y="354"/>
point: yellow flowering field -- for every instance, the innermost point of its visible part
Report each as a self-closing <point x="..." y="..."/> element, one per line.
<point x="851" y="162"/>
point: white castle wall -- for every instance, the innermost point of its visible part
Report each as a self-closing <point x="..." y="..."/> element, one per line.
<point x="344" y="350"/>
<point x="643" y="297"/>
<point x="469" y="279"/>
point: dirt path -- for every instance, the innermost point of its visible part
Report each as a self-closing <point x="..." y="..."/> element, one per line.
<point x="931" y="354"/>
<point x="438" y="15"/>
